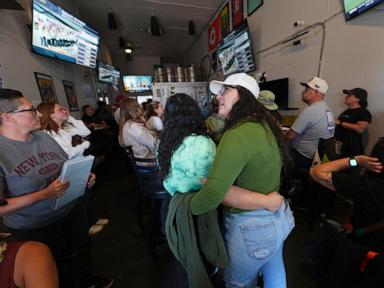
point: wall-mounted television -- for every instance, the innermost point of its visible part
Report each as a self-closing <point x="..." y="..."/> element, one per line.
<point x="58" y="34"/>
<point x="137" y="84"/>
<point x="108" y="74"/>
<point x="235" y="51"/>
<point x="280" y="88"/>
<point x="352" y="8"/>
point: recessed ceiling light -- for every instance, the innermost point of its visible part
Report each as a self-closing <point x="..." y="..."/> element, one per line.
<point x="128" y="50"/>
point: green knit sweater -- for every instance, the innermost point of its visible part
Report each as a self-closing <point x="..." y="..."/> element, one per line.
<point x="248" y="156"/>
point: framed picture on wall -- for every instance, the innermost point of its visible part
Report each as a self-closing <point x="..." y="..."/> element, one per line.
<point x="69" y="89"/>
<point x="224" y="21"/>
<point x="46" y="87"/>
<point x="253" y="5"/>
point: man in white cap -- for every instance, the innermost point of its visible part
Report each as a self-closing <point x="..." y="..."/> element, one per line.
<point x="313" y="123"/>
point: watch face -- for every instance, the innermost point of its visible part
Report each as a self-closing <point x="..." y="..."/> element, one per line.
<point x="353" y="162"/>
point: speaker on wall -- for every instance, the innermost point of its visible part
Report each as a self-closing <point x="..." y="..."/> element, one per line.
<point x="112" y="21"/>
<point x="154" y="28"/>
<point x="191" y="28"/>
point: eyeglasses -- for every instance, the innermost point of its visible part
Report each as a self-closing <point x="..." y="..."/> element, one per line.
<point x="226" y="88"/>
<point x="32" y="109"/>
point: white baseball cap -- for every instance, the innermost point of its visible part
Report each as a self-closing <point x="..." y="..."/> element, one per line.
<point x="238" y="79"/>
<point x="316" y="83"/>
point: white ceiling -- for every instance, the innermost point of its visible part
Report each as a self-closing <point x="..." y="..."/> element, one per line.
<point x="133" y="20"/>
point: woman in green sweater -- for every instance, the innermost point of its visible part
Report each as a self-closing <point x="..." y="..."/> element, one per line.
<point x="250" y="155"/>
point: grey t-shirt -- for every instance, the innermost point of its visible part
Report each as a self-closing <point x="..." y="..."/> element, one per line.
<point x="27" y="167"/>
<point x="314" y="122"/>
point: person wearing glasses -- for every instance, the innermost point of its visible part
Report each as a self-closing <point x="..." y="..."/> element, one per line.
<point x="250" y="155"/>
<point x="30" y="164"/>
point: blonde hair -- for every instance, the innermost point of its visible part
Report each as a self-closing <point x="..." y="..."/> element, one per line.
<point x="130" y="110"/>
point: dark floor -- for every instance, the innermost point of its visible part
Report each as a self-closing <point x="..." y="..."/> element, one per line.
<point x="120" y="249"/>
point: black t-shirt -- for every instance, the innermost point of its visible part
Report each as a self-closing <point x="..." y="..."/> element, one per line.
<point x="352" y="141"/>
<point x="367" y="194"/>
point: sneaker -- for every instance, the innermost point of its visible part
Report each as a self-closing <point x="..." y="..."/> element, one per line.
<point x="100" y="281"/>
<point x="102" y="221"/>
<point x="95" y="229"/>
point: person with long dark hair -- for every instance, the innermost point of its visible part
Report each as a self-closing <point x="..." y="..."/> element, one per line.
<point x="251" y="154"/>
<point x="186" y="155"/>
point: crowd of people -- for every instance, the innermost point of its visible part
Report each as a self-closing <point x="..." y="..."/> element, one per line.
<point x="224" y="172"/>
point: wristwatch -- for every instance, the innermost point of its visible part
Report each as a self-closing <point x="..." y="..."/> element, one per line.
<point x="353" y="162"/>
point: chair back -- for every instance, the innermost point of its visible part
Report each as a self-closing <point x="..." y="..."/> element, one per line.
<point x="147" y="175"/>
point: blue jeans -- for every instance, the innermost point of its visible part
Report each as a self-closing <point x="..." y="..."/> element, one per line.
<point x="254" y="242"/>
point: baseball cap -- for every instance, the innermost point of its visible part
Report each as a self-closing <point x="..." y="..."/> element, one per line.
<point x="238" y="79"/>
<point x="317" y="84"/>
<point x="359" y="93"/>
<point x="267" y="98"/>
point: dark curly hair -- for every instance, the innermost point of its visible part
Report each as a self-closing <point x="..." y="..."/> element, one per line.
<point x="182" y="117"/>
<point x="246" y="109"/>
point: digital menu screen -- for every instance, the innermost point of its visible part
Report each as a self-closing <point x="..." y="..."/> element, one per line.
<point x="235" y="52"/>
<point x="60" y="35"/>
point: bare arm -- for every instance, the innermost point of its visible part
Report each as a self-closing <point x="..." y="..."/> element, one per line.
<point x="53" y="190"/>
<point x="35" y="267"/>
<point x="323" y="173"/>
<point x="241" y="198"/>
<point x="359" y="127"/>
<point x="291" y="134"/>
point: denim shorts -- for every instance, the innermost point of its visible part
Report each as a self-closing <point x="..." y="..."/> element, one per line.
<point x="254" y="242"/>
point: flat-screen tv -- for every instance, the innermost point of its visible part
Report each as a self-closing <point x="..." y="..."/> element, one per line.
<point x="235" y="51"/>
<point x="352" y="8"/>
<point x="58" y="34"/>
<point x="280" y="88"/>
<point x="108" y="74"/>
<point x="137" y="84"/>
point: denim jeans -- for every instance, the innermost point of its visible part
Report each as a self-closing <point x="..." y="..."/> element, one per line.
<point x="254" y="242"/>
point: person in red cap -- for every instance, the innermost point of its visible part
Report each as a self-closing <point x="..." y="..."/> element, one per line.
<point x="352" y="123"/>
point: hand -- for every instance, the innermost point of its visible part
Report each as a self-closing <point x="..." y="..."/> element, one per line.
<point x="203" y="180"/>
<point x="91" y="180"/>
<point x="56" y="189"/>
<point x="370" y="163"/>
<point x="337" y="122"/>
<point x="274" y="201"/>
<point x="86" y="144"/>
